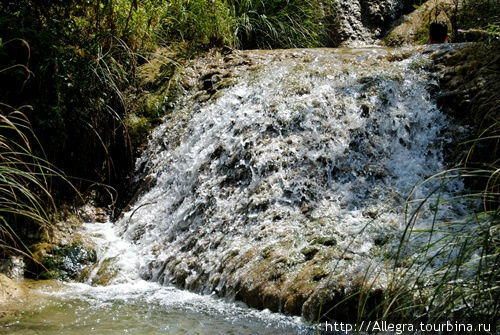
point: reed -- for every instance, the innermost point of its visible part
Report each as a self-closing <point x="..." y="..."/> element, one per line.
<point x="24" y="183"/>
<point x="281" y="24"/>
<point x="26" y="201"/>
<point x="450" y="269"/>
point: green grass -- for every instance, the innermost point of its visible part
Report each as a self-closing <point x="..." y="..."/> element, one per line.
<point x="26" y="201"/>
<point x="24" y="182"/>
<point x="281" y="24"/>
<point x="449" y="269"/>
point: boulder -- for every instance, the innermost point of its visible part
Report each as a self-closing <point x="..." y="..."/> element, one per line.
<point x="364" y="21"/>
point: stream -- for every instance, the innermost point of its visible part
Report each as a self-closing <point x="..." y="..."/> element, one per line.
<point x="279" y="175"/>
<point x="131" y="305"/>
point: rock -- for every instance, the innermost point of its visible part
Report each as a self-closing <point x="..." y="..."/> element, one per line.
<point x="23" y="296"/>
<point x="13" y="267"/>
<point x="107" y="272"/>
<point x="468" y="78"/>
<point x="364" y="21"/>
<point x="477" y="35"/>
<point x="328" y="241"/>
<point x="63" y="261"/>
<point x="9" y="290"/>
<point x="64" y="254"/>
<point x="414" y="27"/>
<point x="90" y="213"/>
<point x="309" y="252"/>
<point x="305" y="208"/>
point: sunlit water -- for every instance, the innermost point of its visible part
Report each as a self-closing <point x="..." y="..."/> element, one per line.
<point x="133" y="306"/>
<point x="149" y="309"/>
<point x="305" y="142"/>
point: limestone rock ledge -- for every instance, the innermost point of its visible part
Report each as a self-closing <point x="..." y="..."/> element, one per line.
<point x="9" y="290"/>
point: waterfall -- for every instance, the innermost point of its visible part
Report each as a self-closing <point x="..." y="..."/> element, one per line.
<point x="282" y="172"/>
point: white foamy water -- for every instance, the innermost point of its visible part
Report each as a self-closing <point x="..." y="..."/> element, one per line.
<point x="130" y="305"/>
<point x="303" y="143"/>
<point x="302" y="146"/>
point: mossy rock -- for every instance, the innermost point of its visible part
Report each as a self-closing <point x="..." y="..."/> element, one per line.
<point x="63" y="261"/>
<point x="139" y="128"/>
<point x="309" y="252"/>
<point x="107" y="272"/>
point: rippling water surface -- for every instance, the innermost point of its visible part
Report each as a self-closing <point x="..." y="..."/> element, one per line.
<point x="131" y="305"/>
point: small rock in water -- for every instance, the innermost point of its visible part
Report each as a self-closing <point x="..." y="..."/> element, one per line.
<point x="328" y="241"/>
<point x="309" y="252"/>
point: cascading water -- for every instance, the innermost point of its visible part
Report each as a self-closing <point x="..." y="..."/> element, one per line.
<point x="279" y="180"/>
<point x="130" y="305"/>
<point x="287" y="174"/>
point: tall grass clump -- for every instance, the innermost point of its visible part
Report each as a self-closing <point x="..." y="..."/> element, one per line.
<point x="26" y="203"/>
<point x="200" y="23"/>
<point x="282" y="23"/>
<point x="449" y="268"/>
<point x="249" y="24"/>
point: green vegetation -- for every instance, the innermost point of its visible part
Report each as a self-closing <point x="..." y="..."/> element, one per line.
<point x="75" y="63"/>
<point x="282" y="24"/>
<point x="26" y="202"/>
<point x="248" y="24"/>
<point x="456" y="271"/>
<point x="203" y="22"/>
<point x="24" y="184"/>
<point x="477" y="14"/>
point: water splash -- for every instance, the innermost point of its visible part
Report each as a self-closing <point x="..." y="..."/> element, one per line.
<point x="302" y="144"/>
<point x="131" y="305"/>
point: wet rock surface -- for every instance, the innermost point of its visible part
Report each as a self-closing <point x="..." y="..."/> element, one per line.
<point x="279" y="179"/>
<point x="362" y="22"/>
<point x="67" y="252"/>
<point x="468" y="81"/>
<point x="413" y="28"/>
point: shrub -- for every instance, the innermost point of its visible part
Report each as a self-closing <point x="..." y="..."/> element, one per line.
<point x="202" y="22"/>
<point x="82" y="56"/>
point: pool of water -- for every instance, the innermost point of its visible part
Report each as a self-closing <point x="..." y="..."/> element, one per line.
<point x="138" y="308"/>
